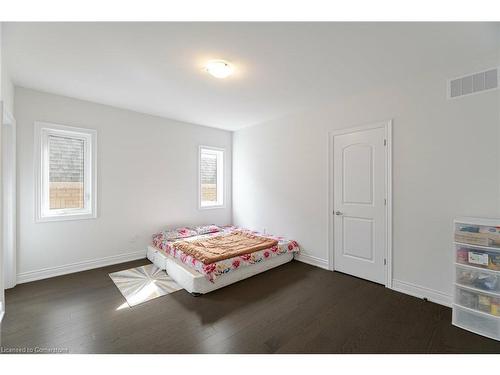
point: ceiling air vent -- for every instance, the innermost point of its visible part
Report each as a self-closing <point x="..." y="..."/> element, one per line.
<point x="473" y="83"/>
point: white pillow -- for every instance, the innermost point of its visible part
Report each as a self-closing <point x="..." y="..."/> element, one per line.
<point x="205" y="229"/>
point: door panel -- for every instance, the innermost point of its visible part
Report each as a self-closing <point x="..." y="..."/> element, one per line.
<point x="359" y="183"/>
<point x="357" y="174"/>
<point x="356" y="245"/>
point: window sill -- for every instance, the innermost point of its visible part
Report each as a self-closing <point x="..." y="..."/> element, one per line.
<point x="69" y="217"/>
<point x="211" y="207"/>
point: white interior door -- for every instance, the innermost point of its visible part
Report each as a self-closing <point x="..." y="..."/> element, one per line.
<point x="360" y="199"/>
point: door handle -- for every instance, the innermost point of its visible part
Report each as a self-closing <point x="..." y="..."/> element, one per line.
<point x="338" y="213"/>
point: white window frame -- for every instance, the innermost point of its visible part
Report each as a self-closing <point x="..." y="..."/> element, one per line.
<point x="42" y="195"/>
<point x="221" y="178"/>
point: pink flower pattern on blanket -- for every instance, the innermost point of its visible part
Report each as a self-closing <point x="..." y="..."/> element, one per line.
<point x="213" y="270"/>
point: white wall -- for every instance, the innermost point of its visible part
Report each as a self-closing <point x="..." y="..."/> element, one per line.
<point x="445" y="164"/>
<point x="7" y="90"/>
<point x="147" y="180"/>
<point x="6" y="85"/>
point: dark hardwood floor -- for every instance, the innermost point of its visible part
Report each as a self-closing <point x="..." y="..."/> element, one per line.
<point x="295" y="308"/>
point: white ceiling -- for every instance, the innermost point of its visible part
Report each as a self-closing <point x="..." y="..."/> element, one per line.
<point x="157" y="68"/>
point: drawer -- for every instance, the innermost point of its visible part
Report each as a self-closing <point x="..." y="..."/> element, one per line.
<point x="477" y="300"/>
<point x="479" y="235"/>
<point x="477" y="257"/>
<point x="488" y="281"/>
<point x="482" y="324"/>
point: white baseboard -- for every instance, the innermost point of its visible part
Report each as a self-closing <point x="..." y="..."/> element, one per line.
<point x="79" y="266"/>
<point x="422" y="292"/>
<point x="312" y="260"/>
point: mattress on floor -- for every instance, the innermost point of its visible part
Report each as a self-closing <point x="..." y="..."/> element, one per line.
<point x="213" y="270"/>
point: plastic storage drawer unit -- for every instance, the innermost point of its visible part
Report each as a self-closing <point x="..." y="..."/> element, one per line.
<point x="476" y="305"/>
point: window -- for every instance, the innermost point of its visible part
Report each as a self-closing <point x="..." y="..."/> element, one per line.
<point x="65" y="162"/>
<point x="211" y="169"/>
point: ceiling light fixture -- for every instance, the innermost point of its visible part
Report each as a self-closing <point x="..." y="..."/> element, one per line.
<point x="219" y="68"/>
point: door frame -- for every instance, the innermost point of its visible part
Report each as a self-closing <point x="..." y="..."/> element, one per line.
<point x="387" y="126"/>
<point x="9" y="219"/>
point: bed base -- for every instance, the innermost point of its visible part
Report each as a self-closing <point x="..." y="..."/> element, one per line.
<point x="197" y="284"/>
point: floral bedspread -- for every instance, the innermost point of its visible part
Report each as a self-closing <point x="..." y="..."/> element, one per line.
<point x="213" y="270"/>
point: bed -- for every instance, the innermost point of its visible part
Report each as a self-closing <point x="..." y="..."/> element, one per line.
<point x="201" y="277"/>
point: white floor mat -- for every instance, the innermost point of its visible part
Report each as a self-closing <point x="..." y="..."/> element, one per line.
<point x="143" y="284"/>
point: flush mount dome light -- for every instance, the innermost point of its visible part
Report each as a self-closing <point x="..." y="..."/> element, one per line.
<point x="219" y="68"/>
